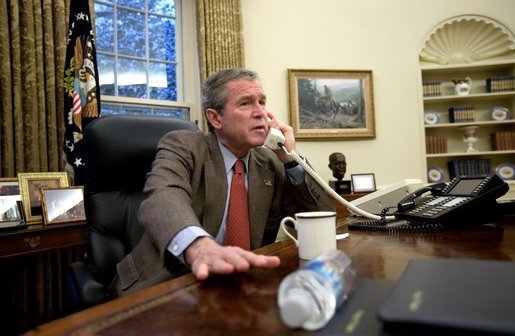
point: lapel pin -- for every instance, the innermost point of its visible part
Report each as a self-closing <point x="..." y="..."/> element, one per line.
<point x="268" y="183"/>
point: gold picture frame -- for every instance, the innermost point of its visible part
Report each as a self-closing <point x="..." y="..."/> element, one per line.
<point x="331" y="104"/>
<point x="30" y="183"/>
<point x="63" y="205"/>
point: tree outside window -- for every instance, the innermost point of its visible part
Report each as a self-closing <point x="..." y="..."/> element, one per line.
<point x="137" y="54"/>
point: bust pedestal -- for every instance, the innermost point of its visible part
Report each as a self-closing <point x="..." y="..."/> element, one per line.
<point x="341" y="187"/>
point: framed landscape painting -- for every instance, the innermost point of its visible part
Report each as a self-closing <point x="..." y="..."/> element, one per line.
<point x="331" y="104"/>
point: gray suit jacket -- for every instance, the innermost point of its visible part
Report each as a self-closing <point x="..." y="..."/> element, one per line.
<point x="187" y="186"/>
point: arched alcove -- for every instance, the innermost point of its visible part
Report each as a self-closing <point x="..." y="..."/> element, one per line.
<point x="467" y="39"/>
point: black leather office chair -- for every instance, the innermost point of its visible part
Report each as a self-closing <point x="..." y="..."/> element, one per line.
<point x="119" y="151"/>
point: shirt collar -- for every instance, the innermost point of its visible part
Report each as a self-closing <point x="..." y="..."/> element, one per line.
<point x="230" y="158"/>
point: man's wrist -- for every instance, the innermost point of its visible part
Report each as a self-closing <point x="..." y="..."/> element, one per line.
<point x="192" y="251"/>
<point x="291" y="164"/>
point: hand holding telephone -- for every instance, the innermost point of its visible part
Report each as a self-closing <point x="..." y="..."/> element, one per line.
<point x="275" y="140"/>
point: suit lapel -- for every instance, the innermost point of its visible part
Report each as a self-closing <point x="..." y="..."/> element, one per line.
<point x="216" y="188"/>
<point x="260" y="190"/>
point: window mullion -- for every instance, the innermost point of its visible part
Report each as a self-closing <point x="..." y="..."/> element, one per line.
<point x="147" y="50"/>
<point x="115" y="30"/>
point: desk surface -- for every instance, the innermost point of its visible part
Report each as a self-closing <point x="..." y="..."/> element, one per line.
<point x="245" y="304"/>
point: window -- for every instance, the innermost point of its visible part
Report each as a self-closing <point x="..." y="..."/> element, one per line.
<point x="139" y="58"/>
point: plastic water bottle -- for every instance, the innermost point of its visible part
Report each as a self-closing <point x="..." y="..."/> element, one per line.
<point x="309" y="297"/>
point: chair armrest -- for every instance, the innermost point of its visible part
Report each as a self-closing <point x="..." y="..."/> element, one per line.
<point x="82" y="289"/>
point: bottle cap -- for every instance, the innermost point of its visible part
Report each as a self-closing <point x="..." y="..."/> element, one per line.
<point x="295" y="309"/>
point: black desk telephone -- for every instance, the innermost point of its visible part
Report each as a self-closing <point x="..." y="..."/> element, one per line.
<point x="465" y="200"/>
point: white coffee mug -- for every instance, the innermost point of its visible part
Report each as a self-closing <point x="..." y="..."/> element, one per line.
<point x="316" y="232"/>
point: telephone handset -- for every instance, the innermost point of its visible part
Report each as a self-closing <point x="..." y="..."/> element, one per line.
<point x="410" y="201"/>
<point x="465" y="200"/>
<point x="275" y="140"/>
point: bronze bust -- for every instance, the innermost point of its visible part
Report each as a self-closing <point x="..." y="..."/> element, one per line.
<point x="338" y="164"/>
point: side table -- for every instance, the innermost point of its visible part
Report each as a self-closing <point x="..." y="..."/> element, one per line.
<point x="32" y="263"/>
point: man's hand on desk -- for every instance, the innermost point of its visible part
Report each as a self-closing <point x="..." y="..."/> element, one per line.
<point x="207" y="257"/>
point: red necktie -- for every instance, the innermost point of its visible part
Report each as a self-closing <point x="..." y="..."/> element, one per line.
<point x="237" y="232"/>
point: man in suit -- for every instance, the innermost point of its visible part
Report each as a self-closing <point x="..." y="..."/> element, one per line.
<point x="185" y="214"/>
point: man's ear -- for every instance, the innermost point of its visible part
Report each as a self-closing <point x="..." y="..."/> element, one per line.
<point x="213" y="117"/>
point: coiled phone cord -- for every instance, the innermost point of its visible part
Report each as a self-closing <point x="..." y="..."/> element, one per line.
<point x="330" y="190"/>
<point x="403" y="226"/>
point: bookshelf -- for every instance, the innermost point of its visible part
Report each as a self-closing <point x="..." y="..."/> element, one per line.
<point x="469" y="133"/>
<point x="479" y="106"/>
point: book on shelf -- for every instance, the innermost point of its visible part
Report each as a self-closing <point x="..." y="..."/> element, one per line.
<point x="432" y="88"/>
<point x="502" y="140"/>
<point x="436" y="144"/>
<point x="500" y="84"/>
<point x="459" y="114"/>
<point x="469" y="167"/>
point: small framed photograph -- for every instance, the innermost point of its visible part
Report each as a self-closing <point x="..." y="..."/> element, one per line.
<point x="11" y="212"/>
<point x="9" y="186"/>
<point x="331" y="104"/>
<point x="30" y="183"/>
<point x="63" y="205"/>
<point x="363" y="182"/>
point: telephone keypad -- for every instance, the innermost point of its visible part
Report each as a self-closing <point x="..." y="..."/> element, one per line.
<point x="438" y="205"/>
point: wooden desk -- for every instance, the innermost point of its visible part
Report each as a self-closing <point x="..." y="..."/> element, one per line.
<point x="246" y="304"/>
<point x="32" y="263"/>
<point x="38" y="238"/>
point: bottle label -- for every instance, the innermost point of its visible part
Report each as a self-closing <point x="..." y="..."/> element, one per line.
<point x="331" y="272"/>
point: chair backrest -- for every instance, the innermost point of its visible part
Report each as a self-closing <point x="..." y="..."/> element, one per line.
<point x="119" y="151"/>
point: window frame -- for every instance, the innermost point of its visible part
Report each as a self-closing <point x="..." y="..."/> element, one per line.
<point x="188" y="81"/>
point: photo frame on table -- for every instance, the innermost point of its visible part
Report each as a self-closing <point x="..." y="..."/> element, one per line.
<point x="363" y="183"/>
<point x="11" y="212"/>
<point x="9" y="186"/>
<point x="30" y="183"/>
<point x="63" y="205"/>
<point x="11" y="207"/>
<point x="331" y="104"/>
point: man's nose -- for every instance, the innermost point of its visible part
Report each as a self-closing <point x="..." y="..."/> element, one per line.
<point x="259" y="110"/>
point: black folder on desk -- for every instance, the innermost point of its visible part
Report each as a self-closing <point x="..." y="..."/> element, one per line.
<point x="358" y="315"/>
<point x="452" y="296"/>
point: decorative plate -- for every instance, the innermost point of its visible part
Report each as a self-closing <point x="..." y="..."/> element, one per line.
<point x="431" y="118"/>
<point x="506" y="171"/>
<point x="499" y="113"/>
<point x="435" y="174"/>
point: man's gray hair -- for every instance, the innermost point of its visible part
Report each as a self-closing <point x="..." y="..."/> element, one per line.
<point x="214" y="90"/>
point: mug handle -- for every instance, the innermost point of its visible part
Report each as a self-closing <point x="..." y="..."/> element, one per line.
<point x="283" y="227"/>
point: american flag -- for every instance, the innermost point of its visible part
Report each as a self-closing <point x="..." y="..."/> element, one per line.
<point x="82" y="92"/>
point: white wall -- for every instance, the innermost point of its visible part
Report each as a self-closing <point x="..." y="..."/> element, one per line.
<point x="384" y="36"/>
